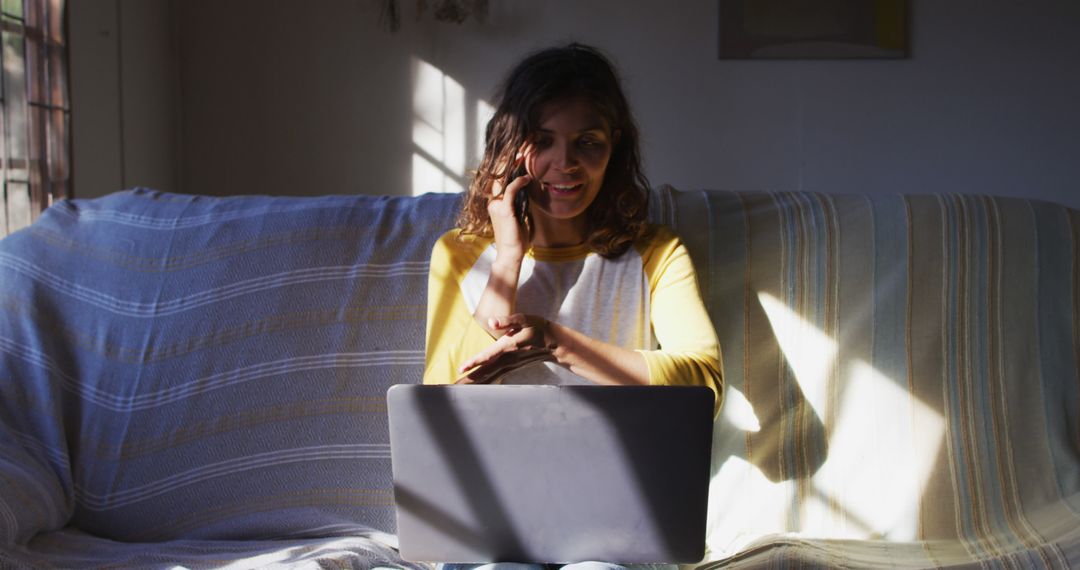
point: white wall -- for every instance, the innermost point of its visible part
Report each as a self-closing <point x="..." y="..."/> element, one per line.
<point x="95" y="98"/>
<point x="293" y="98"/>
<point x="283" y="97"/>
<point x="124" y="91"/>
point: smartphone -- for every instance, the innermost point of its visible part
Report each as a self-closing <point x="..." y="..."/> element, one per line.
<point x="521" y="200"/>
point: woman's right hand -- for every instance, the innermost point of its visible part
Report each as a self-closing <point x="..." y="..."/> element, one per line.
<point x="522" y="339"/>
<point x="511" y="237"/>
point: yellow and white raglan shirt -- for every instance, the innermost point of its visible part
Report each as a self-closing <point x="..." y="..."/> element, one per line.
<point x="645" y="300"/>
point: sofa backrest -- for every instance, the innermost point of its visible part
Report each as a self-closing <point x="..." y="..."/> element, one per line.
<point x="181" y="366"/>
<point x="898" y="367"/>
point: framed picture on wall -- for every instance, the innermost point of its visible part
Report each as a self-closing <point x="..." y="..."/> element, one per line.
<point x="813" y="29"/>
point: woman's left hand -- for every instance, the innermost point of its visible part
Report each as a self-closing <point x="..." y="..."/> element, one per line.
<point x="525" y="339"/>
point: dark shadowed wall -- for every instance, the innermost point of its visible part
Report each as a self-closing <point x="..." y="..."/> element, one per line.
<point x="279" y="97"/>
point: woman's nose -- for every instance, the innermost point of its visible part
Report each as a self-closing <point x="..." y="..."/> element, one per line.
<point x="565" y="157"/>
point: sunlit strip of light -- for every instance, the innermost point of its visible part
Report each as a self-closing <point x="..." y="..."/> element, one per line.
<point x="428" y="177"/>
<point x="439" y="125"/>
<point x="744" y="505"/>
<point x="484" y="113"/>
<point x="809" y="351"/>
<point x="738" y="411"/>
<point x="881" y="454"/>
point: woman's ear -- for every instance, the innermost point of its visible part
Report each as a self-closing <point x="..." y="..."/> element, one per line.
<point x="615" y="136"/>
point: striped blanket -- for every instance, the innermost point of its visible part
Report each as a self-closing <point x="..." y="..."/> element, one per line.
<point x="902" y="378"/>
<point x="200" y="381"/>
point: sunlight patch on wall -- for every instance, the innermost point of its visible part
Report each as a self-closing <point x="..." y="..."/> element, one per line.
<point x="427" y="176"/>
<point x="439" y="132"/>
<point x="484" y="113"/>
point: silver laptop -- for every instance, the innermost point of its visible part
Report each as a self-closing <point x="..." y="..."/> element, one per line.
<point x="551" y="474"/>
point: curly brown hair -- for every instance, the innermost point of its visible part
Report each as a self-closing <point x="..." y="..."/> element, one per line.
<point x="618" y="216"/>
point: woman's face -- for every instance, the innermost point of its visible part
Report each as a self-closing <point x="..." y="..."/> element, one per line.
<point x="567" y="157"/>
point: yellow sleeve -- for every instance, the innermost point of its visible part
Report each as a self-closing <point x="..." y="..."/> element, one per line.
<point x="452" y="335"/>
<point x="689" y="352"/>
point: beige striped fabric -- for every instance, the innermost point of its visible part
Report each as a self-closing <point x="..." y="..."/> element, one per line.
<point x="902" y="377"/>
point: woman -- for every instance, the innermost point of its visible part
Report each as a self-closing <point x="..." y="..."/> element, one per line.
<point x="554" y="275"/>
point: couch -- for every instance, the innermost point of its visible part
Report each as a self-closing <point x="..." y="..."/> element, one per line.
<point x="200" y="382"/>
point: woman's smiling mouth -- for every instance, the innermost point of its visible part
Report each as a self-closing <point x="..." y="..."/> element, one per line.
<point x="563" y="189"/>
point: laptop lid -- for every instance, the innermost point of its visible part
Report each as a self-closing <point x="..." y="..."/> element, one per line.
<point x="551" y="473"/>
